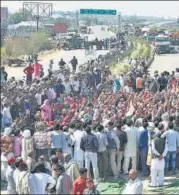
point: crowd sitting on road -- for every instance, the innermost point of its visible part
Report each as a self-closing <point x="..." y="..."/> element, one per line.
<point x="60" y="132"/>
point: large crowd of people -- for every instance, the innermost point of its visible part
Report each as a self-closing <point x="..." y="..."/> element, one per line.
<point x="64" y="134"/>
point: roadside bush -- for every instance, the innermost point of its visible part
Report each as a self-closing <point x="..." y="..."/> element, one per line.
<point x="21" y="46"/>
<point x="8" y="47"/>
<point x="121" y="68"/>
<point x="3" y="55"/>
<point x="38" y="42"/>
<point x="140" y="48"/>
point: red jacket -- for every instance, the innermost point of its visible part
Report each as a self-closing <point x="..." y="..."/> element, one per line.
<point x="29" y="70"/>
<point x="79" y="186"/>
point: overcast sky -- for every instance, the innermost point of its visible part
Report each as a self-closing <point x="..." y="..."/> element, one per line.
<point x="144" y="8"/>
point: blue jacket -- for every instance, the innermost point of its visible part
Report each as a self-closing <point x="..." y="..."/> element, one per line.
<point x="59" y="88"/>
<point x="143" y="138"/>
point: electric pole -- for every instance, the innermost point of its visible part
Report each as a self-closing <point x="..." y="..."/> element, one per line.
<point x="77" y="19"/>
<point x="119" y="22"/>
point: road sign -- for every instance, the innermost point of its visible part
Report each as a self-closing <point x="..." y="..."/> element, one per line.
<point x="98" y="11"/>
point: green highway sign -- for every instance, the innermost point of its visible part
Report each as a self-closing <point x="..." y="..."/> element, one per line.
<point x="98" y="11"/>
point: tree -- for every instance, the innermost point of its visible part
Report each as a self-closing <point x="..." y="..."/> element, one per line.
<point x="38" y="42"/>
<point x="21" y="46"/>
<point x="16" y="18"/>
<point x="8" y="47"/>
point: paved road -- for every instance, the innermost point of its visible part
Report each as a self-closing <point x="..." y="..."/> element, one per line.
<point x="168" y="62"/>
<point x="67" y="55"/>
<point x="100" y="34"/>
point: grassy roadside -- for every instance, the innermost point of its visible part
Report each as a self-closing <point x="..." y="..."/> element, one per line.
<point x="139" y="48"/>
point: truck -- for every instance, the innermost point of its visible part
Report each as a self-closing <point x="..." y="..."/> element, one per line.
<point x="54" y="29"/>
<point x="60" y="28"/>
<point x="162" y="44"/>
<point x="149" y="38"/>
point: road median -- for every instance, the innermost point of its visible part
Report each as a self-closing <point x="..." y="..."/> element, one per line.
<point x="138" y="50"/>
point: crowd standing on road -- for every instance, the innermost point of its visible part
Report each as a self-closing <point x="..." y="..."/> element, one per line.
<point x="60" y="132"/>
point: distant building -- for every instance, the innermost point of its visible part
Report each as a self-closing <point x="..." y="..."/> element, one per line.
<point x="4" y="13"/>
<point x="23" y="29"/>
<point x="4" y="16"/>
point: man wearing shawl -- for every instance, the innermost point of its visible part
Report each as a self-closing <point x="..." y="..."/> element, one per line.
<point x="71" y="167"/>
<point x="27" y="144"/>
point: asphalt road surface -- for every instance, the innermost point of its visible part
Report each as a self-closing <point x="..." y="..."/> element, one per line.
<point x="100" y="34"/>
<point x="67" y="55"/>
<point x="168" y="62"/>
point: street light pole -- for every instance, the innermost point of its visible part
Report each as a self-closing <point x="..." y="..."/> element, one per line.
<point x="37" y="18"/>
<point x="119" y="22"/>
<point x="77" y="19"/>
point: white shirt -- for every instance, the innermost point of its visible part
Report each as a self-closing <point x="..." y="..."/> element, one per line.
<point x="39" y="181"/>
<point x="134" y="187"/>
<point x="76" y="139"/>
<point x="51" y="94"/>
<point x="67" y="87"/>
<point x="132" y="141"/>
<point x="38" y="96"/>
<point x="61" y="76"/>
<point x="6" y="112"/>
<point x="15" y="173"/>
<point x="176" y="75"/>
<point x="76" y="85"/>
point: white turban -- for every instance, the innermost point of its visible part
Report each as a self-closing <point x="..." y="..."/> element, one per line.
<point x="26" y="133"/>
<point x="7" y="131"/>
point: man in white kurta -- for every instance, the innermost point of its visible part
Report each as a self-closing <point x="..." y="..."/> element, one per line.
<point x="78" y="153"/>
<point x="134" y="186"/>
<point x="130" y="151"/>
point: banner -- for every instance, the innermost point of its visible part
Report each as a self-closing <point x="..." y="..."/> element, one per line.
<point x="131" y="109"/>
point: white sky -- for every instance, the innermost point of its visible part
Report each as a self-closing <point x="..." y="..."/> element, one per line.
<point x="145" y="8"/>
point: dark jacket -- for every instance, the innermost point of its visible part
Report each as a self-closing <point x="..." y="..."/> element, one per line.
<point x="159" y="146"/>
<point x="44" y="97"/>
<point x="97" y="78"/>
<point x="59" y="88"/>
<point x="122" y="135"/>
<point x="162" y="81"/>
<point x="89" y="143"/>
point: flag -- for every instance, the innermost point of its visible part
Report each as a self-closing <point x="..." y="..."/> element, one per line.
<point x="131" y="109"/>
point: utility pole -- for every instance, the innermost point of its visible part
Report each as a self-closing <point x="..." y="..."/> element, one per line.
<point x="119" y="22"/>
<point x="37" y="19"/>
<point x="77" y="19"/>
